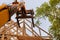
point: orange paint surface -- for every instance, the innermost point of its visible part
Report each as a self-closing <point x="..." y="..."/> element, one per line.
<point x="4" y="17"/>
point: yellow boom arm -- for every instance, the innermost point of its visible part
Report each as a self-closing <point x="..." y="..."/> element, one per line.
<point x="4" y="15"/>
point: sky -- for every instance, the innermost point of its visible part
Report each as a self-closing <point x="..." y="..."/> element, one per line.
<point x="32" y="4"/>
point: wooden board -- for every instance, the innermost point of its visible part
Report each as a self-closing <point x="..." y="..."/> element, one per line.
<point x="29" y="38"/>
<point x="4" y="17"/>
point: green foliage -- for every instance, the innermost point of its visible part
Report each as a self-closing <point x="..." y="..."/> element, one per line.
<point x="44" y="8"/>
<point x="55" y="29"/>
<point x="54" y="2"/>
<point x="53" y="13"/>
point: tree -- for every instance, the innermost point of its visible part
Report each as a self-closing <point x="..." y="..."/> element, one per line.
<point x="52" y="11"/>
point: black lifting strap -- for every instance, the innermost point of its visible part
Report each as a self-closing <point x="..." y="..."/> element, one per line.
<point x="33" y="22"/>
<point x="32" y="13"/>
<point x="17" y="19"/>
